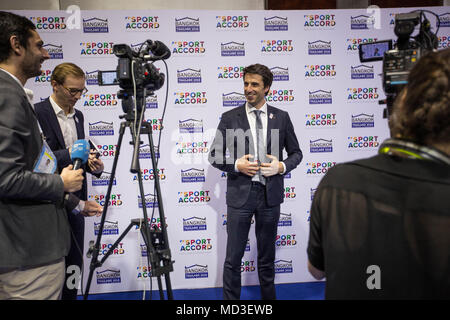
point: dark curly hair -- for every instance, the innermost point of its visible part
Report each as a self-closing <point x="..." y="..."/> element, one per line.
<point x="13" y="24"/>
<point x="262" y="70"/>
<point x="422" y="110"/>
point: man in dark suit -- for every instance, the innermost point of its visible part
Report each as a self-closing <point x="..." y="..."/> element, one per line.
<point x="62" y="125"/>
<point x="255" y="135"/>
<point x="34" y="231"/>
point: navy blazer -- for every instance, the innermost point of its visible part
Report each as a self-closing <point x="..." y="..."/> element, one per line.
<point x="54" y="137"/>
<point x="233" y="134"/>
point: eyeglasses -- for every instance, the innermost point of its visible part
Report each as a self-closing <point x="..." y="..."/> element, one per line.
<point x="73" y="91"/>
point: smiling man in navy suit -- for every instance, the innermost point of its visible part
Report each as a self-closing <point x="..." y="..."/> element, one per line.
<point x="255" y="135"/>
<point x="62" y="125"/>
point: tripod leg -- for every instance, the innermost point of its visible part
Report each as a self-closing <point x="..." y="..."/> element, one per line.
<point x="165" y="241"/>
<point x="115" y="244"/>
<point x="168" y="287"/>
<point x="161" y="292"/>
<point x="94" y="260"/>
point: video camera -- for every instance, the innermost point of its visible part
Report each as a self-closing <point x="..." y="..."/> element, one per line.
<point x="138" y="78"/>
<point x="135" y="73"/>
<point x="398" y="61"/>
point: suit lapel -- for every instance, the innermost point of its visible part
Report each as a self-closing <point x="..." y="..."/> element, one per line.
<point x="242" y="123"/>
<point x="54" y="124"/>
<point x="4" y="76"/>
<point x="271" y="124"/>
<point x="79" y="126"/>
<point x="242" y="119"/>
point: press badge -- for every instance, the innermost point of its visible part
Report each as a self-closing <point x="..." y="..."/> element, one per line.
<point x="46" y="162"/>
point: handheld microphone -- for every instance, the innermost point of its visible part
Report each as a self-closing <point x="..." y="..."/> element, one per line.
<point x="80" y="153"/>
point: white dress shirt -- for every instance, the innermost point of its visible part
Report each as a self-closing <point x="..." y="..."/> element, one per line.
<point x="69" y="132"/>
<point x="251" y="117"/>
<point x="66" y="123"/>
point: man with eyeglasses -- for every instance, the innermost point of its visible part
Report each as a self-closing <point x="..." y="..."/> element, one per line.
<point x="62" y="125"/>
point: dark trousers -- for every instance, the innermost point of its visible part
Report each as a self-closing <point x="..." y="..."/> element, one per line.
<point x="238" y="226"/>
<point x="75" y="256"/>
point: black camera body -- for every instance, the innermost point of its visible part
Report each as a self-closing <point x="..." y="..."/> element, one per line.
<point x="396" y="67"/>
<point x="136" y="70"/>
<point x="135" y="73"/>
<point x="398" y="61"/>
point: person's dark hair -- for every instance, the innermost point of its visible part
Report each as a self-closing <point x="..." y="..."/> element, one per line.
<point x="262" y="70"/>
<point x="422" y="112"/>
<point x="13" y="24"/>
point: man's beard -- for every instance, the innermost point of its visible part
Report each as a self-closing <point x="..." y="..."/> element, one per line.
<point x="32" y="68"/>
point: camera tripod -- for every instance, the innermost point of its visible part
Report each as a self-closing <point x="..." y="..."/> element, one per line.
<point x="156" y="240"/>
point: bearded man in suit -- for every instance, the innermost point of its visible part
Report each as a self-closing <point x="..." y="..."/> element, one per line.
<point x="34" y="231"/>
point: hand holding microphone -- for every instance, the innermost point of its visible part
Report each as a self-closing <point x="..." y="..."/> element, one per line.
<point x="80" y="153"/>
<point x="72" y="175"/>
